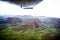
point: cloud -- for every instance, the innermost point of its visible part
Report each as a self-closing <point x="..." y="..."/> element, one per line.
<point x="49" y="8"/>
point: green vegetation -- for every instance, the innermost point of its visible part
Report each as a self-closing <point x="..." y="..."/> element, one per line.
<point x="34" y="34"/>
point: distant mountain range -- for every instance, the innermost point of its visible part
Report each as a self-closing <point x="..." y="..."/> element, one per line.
<point x="29" y="23"/>
<point x="46" y="21"/>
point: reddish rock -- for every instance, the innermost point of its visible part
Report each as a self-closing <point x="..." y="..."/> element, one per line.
<point x="29" y="23"/>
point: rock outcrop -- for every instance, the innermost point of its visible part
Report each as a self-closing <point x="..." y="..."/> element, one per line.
<point x="29" y="23"/>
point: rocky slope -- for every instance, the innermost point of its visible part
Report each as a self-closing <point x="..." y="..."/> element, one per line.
<point x="29" y="23"/>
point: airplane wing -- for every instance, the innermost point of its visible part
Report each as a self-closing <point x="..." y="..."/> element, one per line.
<point x="25" y="4"/>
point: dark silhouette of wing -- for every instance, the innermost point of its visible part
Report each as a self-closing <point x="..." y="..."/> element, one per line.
<point x="25" y="3"/>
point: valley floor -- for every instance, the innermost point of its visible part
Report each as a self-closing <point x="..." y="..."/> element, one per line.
<point x="48" y="33"/>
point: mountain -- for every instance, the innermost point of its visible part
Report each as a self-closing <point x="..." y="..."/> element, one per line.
<point x="2" y="20"/>
<point x="13" y="20"/>
<point x="33" y="21"/>
<point x="29" y="23"/>
<point x="55" y="22"/>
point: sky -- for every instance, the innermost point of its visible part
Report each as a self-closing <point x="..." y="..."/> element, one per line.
<point x="48" y="8"/>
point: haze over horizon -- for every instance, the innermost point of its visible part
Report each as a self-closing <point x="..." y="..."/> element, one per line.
<point x="48" y="8"/>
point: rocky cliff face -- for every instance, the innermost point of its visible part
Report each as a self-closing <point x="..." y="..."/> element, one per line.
<point x="29" y="23"/>
<point x="12" y="20"/>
